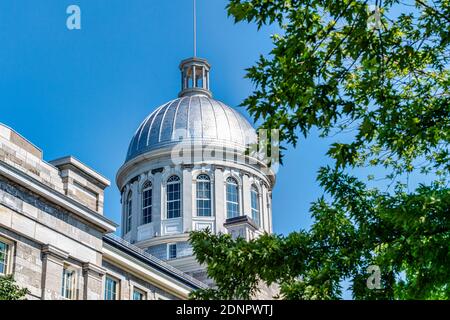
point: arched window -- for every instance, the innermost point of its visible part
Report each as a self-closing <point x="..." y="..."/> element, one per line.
<point x="203" y="196"/>
<point x="255" y="205"/>
<point x="232" y="198"/>
<point x="147" y="202"/>
<point x="173" y="197"/>
<point x="128" y="212"/>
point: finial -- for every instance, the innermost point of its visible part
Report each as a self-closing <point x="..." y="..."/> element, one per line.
<point x="195" y="71"/>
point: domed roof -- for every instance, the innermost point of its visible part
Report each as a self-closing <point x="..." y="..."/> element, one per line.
<point x="197" y="118"/>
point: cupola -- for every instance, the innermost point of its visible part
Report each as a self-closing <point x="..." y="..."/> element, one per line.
<point x="195" y="77"/>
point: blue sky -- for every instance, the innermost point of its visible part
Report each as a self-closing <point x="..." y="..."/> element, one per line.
<point x="84" y="92"/>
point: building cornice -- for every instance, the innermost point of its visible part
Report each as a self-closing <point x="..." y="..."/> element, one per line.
<point x="187" y="264"/>
<point x="241" y="220"/>
<point x="90" y="268"/>
<point x="56" y="197"/>
<point x="162" y="240"/>
<point x="57" y="253"/>
<point x="70" y="160"/>
<point x="166" y="153"/>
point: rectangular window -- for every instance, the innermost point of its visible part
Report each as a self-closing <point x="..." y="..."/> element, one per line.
<point x="255" y="207"/>
<point x="173" y="200"/>
<point x="128" y="212"/>
<point x="172" y="248"/>
<point x="138" y="294"/>
<point x="232" y="209"/>
<point x="68" y="284"/>
<point x="232" y="197"/>
<point x="147" y="206"/>
<point x="111" y="289"/>
<point x="4" y="257"/>
<point x="203" y="199"/>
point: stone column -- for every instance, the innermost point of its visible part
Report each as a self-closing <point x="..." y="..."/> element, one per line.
<point x="194" y="78"/>
<point x="52" y="271"/>
<point x="93" y="282"/>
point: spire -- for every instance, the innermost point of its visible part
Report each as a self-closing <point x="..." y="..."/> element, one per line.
<point x="195" y="71"/>
<point x="195" y="28"/>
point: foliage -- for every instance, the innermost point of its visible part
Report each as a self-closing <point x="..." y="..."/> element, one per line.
<point x="406" y="235"/>
<point x="375" y="83"/>
<point x="9" y="290"/>
<point x="334" y="70"/>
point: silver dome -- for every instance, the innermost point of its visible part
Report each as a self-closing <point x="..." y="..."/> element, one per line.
<point x="198" y="118"/>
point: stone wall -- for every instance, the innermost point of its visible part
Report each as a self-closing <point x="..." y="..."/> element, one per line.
<point x="83" y="191"/>
<point x="46" y="238"/>
<point x="26" y="262"/>
<point x="22" y="155"/>
<point x="39" y="219"/>
<point x="81" y="183"/>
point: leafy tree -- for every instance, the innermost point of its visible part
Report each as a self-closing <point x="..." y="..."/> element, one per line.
<point x="9" y="290"/>
<point x="374" y="80"/>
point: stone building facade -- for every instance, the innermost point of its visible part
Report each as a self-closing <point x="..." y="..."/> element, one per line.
<point x="56" y="241"/>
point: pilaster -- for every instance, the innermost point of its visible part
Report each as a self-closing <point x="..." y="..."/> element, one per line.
<point x="219" y="196"/>
<point x="53" y="266"/>
<point x="246" y="200"/>
<point x="135" y="210"/>
<point x="186" y="192"/>
<point x="157" y="202"/>
<point x="93" y="281"/>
